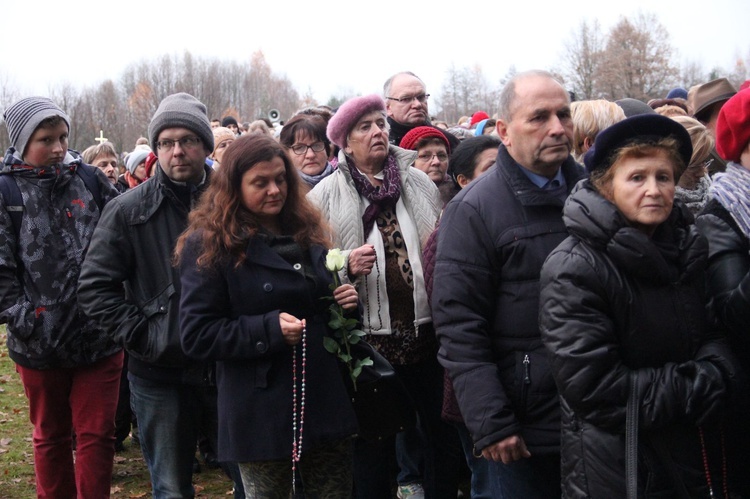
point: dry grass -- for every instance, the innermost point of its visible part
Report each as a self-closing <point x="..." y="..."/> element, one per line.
<point x="130" y="477"/>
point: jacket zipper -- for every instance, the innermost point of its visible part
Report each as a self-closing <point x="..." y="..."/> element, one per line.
<point x="526" y="383"/>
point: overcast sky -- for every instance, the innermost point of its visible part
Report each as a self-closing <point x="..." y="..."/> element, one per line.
<point x="337" y="47"/>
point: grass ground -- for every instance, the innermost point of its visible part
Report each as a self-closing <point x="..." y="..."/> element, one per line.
<point x="130" y="477"/>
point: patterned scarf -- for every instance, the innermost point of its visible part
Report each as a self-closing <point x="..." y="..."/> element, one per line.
<point x="732" y="190"/>
<point x="694" y="199"/>
<point x="380" y="198"/>
<point x="313" y="180"/>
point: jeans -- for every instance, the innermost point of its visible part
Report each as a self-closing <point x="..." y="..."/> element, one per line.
<point x="481" y="486"/>
<point x="537" y="477"/>
<point x="66" y="400"/>
<point x="168" y="420"/>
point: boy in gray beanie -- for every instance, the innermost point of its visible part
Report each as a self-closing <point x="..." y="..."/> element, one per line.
<point x="69" y="367"/>
<point x="129" y="286"/>
<point x="24" y="117"/>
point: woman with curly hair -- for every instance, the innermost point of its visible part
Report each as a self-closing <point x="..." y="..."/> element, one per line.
<point x="253" y="278"/>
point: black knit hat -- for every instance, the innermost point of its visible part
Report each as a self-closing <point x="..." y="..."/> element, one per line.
<point x="640" y="128"/>
<point x="228" y="120"/>
<point x="181" y="111"/>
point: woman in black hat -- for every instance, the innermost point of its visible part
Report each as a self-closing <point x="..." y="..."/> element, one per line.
<point x="624" y="321"/>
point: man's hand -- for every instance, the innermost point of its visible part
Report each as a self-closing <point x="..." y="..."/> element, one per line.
<point x="508" y="450"/>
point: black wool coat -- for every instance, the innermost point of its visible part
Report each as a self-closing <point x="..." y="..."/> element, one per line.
<point x="231" y="315"/>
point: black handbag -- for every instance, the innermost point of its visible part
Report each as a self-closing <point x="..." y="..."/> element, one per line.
<point x="381" y="402"/>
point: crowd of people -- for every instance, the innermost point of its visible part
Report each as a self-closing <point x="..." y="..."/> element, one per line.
<point x="561" y="288"/>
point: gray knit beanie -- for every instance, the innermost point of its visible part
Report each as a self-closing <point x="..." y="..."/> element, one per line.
<point x="24" y="116"/>
<point x="135" y="158"/>
<point x="181" y="111"/>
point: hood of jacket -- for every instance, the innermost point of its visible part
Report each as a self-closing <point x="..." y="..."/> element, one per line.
<point x="674" y="253"/>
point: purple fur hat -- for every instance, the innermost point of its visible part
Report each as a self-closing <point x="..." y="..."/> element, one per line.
<point x="349" y="113"/>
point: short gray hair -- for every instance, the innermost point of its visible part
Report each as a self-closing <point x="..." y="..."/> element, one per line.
<point x="389" y="82"/>
<point x="508" y="94"/>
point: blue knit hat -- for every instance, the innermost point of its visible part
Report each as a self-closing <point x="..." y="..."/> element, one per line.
<point x="677" y="93"/>
<point x="23" y="118"/>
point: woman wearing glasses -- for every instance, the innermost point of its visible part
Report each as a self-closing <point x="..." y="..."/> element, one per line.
<point x="433" y="152"/>
<point x="305" y="141"/>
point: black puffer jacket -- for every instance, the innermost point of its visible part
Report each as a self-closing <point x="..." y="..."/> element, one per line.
<point x="615" y="301"/>
<point x="494" y="237"/>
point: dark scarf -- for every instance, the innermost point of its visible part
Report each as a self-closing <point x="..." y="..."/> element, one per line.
<point x="397" y="131"/>
<point x="380" y="198"/>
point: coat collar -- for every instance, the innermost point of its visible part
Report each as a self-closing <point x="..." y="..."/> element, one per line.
<point x="527" y="193"/>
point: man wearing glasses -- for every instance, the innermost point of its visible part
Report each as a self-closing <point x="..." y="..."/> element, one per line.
<point x="129" y="286"/>
<point x="406" y="105"/>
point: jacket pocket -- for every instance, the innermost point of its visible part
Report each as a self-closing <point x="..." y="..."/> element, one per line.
<point x="42" y="321"/>
<point x="157" y="312"/>
<point x="536" y="390"/>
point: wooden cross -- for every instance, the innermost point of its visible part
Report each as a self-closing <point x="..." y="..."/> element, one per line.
<point x="101" y="138"/>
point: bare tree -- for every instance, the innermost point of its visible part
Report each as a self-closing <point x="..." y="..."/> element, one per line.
<point x="465" y="91"/>
<point x="9" y="93"/>
<point x="582" y="59"/>
<point x="692" y="73"/>
<point x="637" y="60"/>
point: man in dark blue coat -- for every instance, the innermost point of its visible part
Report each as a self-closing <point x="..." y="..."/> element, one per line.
<point x="494" y="238"/>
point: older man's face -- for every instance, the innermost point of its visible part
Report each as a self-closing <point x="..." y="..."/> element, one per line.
<point x="539" y="134"/>
<point x="407" y="101"/>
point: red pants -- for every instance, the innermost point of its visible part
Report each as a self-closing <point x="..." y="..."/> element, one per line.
<point x="81" y="400"/>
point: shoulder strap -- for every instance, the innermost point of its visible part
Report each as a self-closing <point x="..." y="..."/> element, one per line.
<point x="88" y="175"/>
<point x="631" y="439"/>
<point x="13" y="200"/>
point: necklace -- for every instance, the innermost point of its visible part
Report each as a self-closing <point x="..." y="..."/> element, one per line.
<point x="706" y="468"/>
<point x="298" y="411"/>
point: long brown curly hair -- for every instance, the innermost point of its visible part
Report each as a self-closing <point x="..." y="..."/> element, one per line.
<point x="226" y="225"/>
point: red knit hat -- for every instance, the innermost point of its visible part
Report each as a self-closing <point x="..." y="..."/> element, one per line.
<point x="478" y="116"/>
<point x="150" y="162"/>
<point x="413" y="136"/>
<point x="733" y="126"/>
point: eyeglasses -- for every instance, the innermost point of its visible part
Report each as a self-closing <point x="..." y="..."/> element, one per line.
<point x="301" y="149"/>
<point x="441" y="156"/>
<point x="703" y="164"/>
<point x="189" y="142"/>
<point x="422" y="98"/>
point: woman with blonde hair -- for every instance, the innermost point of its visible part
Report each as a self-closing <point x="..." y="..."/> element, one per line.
<point x="590" y="117"/>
